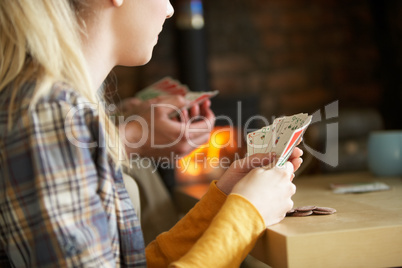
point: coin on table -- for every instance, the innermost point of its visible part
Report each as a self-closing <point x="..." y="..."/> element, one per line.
<point x="290" y="212"/>
<point x="305" y="208"/>
<point x="324" y="211"/>
<point x="302" y="213"/>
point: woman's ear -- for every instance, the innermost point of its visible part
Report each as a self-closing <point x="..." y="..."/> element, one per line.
<point x="117" y="3"/>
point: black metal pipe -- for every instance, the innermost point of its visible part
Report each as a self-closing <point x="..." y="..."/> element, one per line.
<point x="191" y="44"/>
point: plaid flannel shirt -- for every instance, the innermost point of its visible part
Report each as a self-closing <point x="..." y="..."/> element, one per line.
<point x="62" y="203"/>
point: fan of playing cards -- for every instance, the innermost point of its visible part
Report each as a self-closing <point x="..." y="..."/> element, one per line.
<point x="281" y="137"/>
<point x="169" y="86"/>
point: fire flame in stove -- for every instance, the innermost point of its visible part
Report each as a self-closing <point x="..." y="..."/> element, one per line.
<point x="206" y="159"/>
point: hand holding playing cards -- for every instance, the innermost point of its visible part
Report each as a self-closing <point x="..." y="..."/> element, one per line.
<point x="270" y="191"/>
<point x="136" y="106"/>
<point x="242" y="167"/>
<point x="160" y="134"/>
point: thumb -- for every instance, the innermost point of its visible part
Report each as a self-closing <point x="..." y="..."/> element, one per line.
<point x="172" y="106"/>
<point x="288" y="168"/>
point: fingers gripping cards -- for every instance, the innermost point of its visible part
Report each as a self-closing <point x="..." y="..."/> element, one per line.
<point x="169" y="86"/>
<point x="165" y="86"/>
<point x="281" y="137"/>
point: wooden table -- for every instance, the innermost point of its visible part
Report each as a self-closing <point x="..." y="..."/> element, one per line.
<point x="366" y="231"/>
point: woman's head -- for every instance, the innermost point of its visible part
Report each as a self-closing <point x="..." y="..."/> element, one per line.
<point x="50" y="37"/>
<point x="136" y="25"/>
<point x="121" y="32"/>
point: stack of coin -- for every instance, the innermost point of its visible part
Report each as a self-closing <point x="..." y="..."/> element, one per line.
<point x="310" y="210"/>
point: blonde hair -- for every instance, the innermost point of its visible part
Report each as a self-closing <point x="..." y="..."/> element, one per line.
<point x="40" y="42"/>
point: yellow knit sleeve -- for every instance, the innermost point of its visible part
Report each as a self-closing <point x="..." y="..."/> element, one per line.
<point x="172" y="245"/>
<point x="230" y="237"/>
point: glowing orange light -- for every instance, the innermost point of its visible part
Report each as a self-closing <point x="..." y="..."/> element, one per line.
<point x="206" y="158"/>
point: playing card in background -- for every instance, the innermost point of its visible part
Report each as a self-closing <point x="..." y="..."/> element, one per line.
<point x="169" y="86"/>
<point x="281" y="137"/>
<point x="359" y="187"/>
<point x="165" y="86"/>
<point x="196" y="98"/>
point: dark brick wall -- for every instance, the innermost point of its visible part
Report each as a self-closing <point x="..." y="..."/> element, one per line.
<point x="293" y="55"/>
